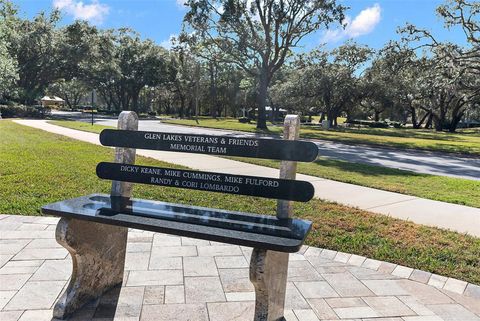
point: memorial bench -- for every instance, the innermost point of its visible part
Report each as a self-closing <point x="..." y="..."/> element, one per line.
<point x="93" y="228"/>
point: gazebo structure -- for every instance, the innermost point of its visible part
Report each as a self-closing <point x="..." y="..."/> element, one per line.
<point x="52" y="101"/>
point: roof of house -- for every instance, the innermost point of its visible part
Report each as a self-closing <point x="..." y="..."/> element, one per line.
<point x="52" y="98"/>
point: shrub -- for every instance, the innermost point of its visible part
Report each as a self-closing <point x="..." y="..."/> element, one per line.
<point x="11" y="111"/>
<point x="397" y="124"/>
<point x="111" y="112"/>
<point x="359" y="122"/>
<point x="378" y="124"/>
<point x="244" y="120"/>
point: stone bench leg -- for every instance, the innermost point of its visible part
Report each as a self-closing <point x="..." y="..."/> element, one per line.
<point x="268" y="273"/>
<point x="98" y="257"/>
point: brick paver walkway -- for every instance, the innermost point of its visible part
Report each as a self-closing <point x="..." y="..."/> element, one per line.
<point x="170" y="278"/>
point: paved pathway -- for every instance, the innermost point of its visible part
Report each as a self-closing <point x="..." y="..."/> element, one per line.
<point x="417" y="161"/>
<point x="169" y="278"/>
<point x="459" y="218"/>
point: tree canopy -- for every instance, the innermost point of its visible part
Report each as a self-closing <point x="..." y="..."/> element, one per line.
<point x="258" y="35"/>
<point x="235" y="57"/>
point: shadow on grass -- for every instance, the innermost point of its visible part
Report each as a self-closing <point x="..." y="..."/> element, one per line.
<point x="68" y="120"/>
<point x="363" y="169"/>
<point x="402" y="133"/>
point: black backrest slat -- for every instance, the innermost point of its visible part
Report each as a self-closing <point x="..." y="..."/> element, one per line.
<point x="265" y="187"/>
<point x="245" y="146"/>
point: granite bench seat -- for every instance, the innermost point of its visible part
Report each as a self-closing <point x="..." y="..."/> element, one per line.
<point x="246" y="229"/>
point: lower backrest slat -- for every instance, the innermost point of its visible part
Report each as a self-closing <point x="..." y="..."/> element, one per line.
<point x="265" y="187"/>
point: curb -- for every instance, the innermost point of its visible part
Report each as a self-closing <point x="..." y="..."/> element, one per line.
<point x="438" y="281"/>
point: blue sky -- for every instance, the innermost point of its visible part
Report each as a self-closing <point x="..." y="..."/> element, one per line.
<point x="370" y="22"/>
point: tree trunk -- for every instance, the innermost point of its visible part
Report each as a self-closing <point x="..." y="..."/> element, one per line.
<point x="135" y="102"/>
<point x="262" y="100"/>
<point x="414" y="118"/>
<point x="182" y="107"/>
<point x="273" y="114"/>
<point x="377" y="115"/>
<point x="191" y="107"/>
<point x="457" y="115"/>
<point x="127" y="102"/>
<point x="438" y="123"/>
<point x="428" y="125"/>
<point x="69" y="103"/>
<point x="330" y="117"/>
<point x="454" y="123"/>
<point x="124" y="99"/>
<point x="440" y="118"/>
<point x="76" y="100"/>
<point x="213" y="91"/>
<point x="168" y="107"/>
<point x="420" y="123"/>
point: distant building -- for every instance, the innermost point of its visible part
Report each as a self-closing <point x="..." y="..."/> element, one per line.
<point x="52" y="101"/>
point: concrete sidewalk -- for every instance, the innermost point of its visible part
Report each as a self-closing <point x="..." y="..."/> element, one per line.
<point x="458" y="218"/>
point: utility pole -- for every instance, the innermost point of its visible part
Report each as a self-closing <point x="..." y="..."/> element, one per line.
<point x="197" y="85"/>
<point x="93" y="103"/>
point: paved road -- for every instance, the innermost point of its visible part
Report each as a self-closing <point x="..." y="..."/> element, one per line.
<point x="416" y="161"/>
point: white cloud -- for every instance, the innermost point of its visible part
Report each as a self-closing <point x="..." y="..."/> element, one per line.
<point x="94" y="12"/>
<point x="333" y="35"/>
<point x="365" y="22"/>
<point x="181" y="3"/>
<point x="362" y="24"/>
<point x="168" y="43"/>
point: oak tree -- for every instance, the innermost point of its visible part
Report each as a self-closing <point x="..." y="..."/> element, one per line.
<point x="258" y="35"/>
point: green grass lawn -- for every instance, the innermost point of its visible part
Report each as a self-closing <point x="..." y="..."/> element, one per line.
<point x="439" y="188"/>
<point x="465" y="141"/>
<point x="40" y="167"/>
